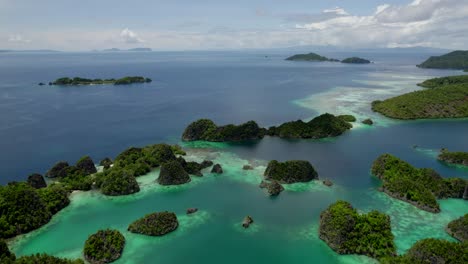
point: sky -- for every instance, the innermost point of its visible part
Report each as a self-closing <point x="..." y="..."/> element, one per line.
<point x="81" y="25"/>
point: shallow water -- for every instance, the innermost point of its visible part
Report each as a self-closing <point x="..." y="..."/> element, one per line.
<point x="46" y="124"/>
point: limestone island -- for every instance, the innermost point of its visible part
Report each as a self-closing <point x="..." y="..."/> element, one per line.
<point x="291" y="171"/>
<point x="348" y="232"/>
<point x="105" y="246"/>
<point x="310" y="57"/>
<point x="356" y="60"/>
<point x="155" y="224"/>
<point x="326" y="125"/>
<point x="419" y="187"/>
<point x="457" y="158"/>
<point x="445" y="97"/>
<point x="66" y="81"/>
<point x="457" y="60"/>
<point x="8" y="257"/>
<point x="458" y="228"/>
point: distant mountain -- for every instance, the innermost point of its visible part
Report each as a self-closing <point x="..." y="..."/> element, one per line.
<point x="454" y="60"/>
<point x="134" y="49"/>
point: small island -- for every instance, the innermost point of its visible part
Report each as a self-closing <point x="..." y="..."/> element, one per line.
<point x="356" y="60"/>
<point x="155" y="224"/>
<point x="419" y="187"/>
<point x="444" y="98"/>
<point x="66" y="81"/>
<point x="458" y="228"/>
<point x="291" y="171"/>
<point x="105" y="246"/>
<point x="348" y="232"/>
<point x="309" y="57"/>
<point x="326" y="125"/>
<point x="432" y="250"/>
<point x="172" y="173"/>
<point x="457" y="60"/>
<point x="457" y="158"/>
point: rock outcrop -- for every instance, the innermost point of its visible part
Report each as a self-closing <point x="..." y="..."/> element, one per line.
<point x="86" y="165"/>
<point x="172" y="173"/>
<point x="247" y="221"/>
<point x="37" y="181"/>
<point x="56" y="170"/>
<point x="217" y="169"/>
<point x="155" y="224"/>
<point x="290" y="171"/>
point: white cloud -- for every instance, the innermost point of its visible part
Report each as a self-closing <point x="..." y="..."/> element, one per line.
<point x="17" y="38"/>
<point x="130" y="37"/>
<point x="439" y="23"/>
<point x="336" y="10"/>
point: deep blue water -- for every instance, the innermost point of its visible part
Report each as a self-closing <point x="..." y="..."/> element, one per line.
<point x="42" y="124"/>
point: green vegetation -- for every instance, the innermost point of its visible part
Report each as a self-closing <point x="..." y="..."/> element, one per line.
<point x="105" y="246"/>
<point x="347" y="118"/>
<point x="86" y="165"/>
<point x="119" y="181"/>
<point x="432" y="250"/>
<point x="66" y="81"/>
<point x="106" y="163"/>
<point x="459" y="228"/>
<point x="309" y="57"/>
<point x="290" y="171"/>
<point x="326" y="125"/>
<point x="368" y="122"/>
<point x="46" y="259"/>
<point x="446" y="98"/>
<point x="420" y="187"/>
<point x="460" y="158"/>
<point x="6" y="256"/>
<point x="444" y="81"/>
<point x="453" y="60"/>
<point x="205" y="129"/>
<point x="155" y="224"/>
<point x="37" y="181"/>
<point x="55" y="198"/>
<point x="173" y="173"/>
<point x="356" y="60"/>
<point x="348" y="232"/>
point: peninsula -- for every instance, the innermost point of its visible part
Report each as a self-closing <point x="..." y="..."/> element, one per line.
<point x="419" y="187"/>
<point x="457" y="60"/>
<point x="66" y="81"/>
<point x="445" y="97"/>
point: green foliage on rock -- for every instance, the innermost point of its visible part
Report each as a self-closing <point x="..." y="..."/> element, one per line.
<point x="141" y="160"/>
<point x="55" y="197"/>
<point x="205" y="129"/>
<point x="57" y="169"/>
<point x="309" y="57"/>
<point x="21" y="210"/>
<point x="368" y="122"/>
<point x="6" y="256"/>
<point x="434" y="251"/>
<point x="46" y="259"/>
<point x="86" y="165"/>
<point x="290" y="171"/>
<point x="326" y="125"/>
<point x="119" y="181"/>
<point x="155" y="224"/>
<point x="347" y="118"/>
<point x="420" y="187"/>
<point x="106" y="163"/>
<point x="66" y="81"/>
<point x="356" y="60"/>
<point x="105" y="246"/>
<point x="458" y="228"/>
<point x="460" y="158"/>
<point x="173" y="173"/>
<point x="446" y="98"/>
<point x="348" y="232"/>
<point x="454" y="60"/>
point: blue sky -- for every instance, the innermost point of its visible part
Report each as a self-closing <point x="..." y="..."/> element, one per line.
<point x="211" y="24"/>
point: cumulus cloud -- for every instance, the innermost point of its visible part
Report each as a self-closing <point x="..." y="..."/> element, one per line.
<point x="18" y="39"/>
<point x="427" y="22"/>
<point x="130" y="37"/>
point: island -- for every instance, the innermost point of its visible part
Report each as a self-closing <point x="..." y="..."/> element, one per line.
<point x="419" y="187"/>
<point x="458" y="228"/>
<point x="66" y="81"/>
<point x="105" y="246"/>
<point x="325" y="125"/>
<point x="368" y="122"/>
<point x="356" y="60"/>
<point x="291" y="171"/>
<point x="155" y="224"/>
<point x="348" y="232"/>
<point x="457" y="158"/>
<point x="454" y="60"/>
<point x="173" y="173"/>
<point x="432" y="250"/>
<point x="445" y="98"/>
<point x="309" y="57"/>
<point x="274" y="188"/>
